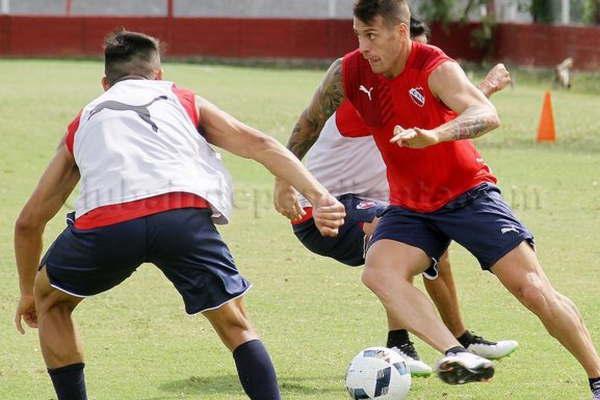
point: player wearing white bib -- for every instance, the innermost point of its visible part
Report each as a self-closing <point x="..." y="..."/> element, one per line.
<point x="152" y="189"/>
<point x="345" y="159"/>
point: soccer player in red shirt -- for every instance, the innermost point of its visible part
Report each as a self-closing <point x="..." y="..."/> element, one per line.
<point x="423" y="111"/>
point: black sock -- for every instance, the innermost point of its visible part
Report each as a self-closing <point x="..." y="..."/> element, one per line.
<point x="457" y="349"/>
<point x="69" y="382"/>
<point x="256" y="371"/>
<point x="594" y="384"/>
<point x="465" y="339"/>
<point x="397" y="338"/>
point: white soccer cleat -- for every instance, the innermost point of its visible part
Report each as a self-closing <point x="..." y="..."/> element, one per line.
<point x="417" y="367"/>
<point x="464" y="367"/>
<point x="492" y="350"/>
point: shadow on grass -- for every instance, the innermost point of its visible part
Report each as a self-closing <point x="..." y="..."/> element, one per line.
<point x="229" y="384"/>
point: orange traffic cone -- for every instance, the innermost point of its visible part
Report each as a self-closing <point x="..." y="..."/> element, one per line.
<point x="546" y="130"/>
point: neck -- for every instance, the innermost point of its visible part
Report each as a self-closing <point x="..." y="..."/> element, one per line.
<point x="128" y="77"/>
<point x="400" y="63"/>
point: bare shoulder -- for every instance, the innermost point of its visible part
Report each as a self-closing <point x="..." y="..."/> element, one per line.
<point x="448" y="72"/>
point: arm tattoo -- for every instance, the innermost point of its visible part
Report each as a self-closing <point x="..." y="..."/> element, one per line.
<point x="473" y="122"/>
<point x="326" y="100"/>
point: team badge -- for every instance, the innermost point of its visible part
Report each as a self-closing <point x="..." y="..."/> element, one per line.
<point x="365" y="205"/>
<point x="417" y="96"/>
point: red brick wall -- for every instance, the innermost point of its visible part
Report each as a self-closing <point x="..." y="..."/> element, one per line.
<point x="523" y="44"/>
<point x="543" y="45"/>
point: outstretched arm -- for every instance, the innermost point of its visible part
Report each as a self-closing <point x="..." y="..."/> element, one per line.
<point x="55" y="186"/>
<point x="327" y="98"/>
<point x="223" y="130"/>
<point x="476" y="115"/>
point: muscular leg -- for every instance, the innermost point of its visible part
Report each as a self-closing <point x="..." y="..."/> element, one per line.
<point x="253" y="363"/>
<point x="520" y="272"/>
<point x="443" y="293"/>
<point x="59" y="341"/>
<point x="389" y="271"/>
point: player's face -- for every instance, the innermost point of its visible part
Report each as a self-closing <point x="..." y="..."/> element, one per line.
<point x="381" y="44"/>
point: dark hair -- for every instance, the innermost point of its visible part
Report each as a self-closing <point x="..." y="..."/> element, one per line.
<point x="130" y="53"/>
<point x="392" y="11"/>
<point x="418" y="28"/>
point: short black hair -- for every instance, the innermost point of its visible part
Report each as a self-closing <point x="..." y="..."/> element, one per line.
<point x="418" y="27"/>
<point x="392" y="11"/>
<point x="130" y="53"/>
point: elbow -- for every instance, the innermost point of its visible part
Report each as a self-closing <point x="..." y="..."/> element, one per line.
<point x="27" y="225"/>
<point x="495" y="121"/>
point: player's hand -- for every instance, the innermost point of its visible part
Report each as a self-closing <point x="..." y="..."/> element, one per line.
<point x="328" y="214"/>
<point x="285" y="200"/>
<point x="496" y="80"/>
<point x="26" y="311"/>
<point x="415" y="138"/>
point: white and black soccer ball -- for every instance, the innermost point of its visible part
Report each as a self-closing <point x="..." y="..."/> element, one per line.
<point x="378" y="373"/>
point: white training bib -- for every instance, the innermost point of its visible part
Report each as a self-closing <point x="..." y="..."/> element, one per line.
<point x="136" y="141"/>
<point x="347" y="164"/>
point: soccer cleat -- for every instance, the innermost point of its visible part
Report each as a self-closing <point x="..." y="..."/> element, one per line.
<point x="417" y="367"/>
<point x="491" y="350"/>
<point x="464" y="367"/>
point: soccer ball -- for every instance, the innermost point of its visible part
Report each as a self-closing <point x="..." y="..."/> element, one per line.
<point x="378" y="373"/>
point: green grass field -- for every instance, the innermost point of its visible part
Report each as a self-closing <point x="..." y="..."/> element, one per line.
<point x="313" y="314"/>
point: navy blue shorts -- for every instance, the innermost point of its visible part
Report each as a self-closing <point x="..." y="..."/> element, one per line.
<point x="348" y="247"/>
<point x="183" y="243"/>
<point x="479" y="220"/>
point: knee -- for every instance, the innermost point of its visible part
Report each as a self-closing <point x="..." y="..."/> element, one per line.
<point x="370" y="278"/>
<point x="538" y="297"/>
<point x="380" y="282"/>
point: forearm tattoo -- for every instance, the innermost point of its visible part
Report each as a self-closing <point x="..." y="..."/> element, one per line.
<point x="472" y="123"/>
<point x="327" y="99"/>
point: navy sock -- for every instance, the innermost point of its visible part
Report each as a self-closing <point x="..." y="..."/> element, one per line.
<point x="594" y="384"/>
<point x="457" y="349"/>
<point x="256" y="371"/>
<point x="397" y="338"/>
<point x="69" y="382"/>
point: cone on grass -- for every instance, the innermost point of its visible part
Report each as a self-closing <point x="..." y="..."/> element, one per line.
<point x="546" y="130"/>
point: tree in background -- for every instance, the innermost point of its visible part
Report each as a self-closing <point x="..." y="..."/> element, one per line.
<point x="542" y="11"/>
<point x="591" y="13"/>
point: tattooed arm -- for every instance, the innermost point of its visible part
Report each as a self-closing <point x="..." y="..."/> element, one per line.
<point x="327" y="98"/>
<point x="476" y="115"/>
<point x="325" y="101"/>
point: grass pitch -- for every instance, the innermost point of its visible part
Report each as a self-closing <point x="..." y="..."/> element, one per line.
<point x="313" y="313"/>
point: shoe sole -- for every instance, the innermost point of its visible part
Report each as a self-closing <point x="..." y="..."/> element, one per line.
<point x="454" y="373"/>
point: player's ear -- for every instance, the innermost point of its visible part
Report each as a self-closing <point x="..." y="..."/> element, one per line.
<point x="158" y="74"/>
<point x="105" y="83"/>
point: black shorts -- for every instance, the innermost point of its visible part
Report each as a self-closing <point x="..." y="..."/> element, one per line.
<point x="479" y="220"/>
<point x="183" y="243"/>
<point x="348" y="247"/>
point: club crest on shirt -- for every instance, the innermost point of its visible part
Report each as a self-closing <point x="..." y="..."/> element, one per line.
<point x="365" y="205"/>
<point x="417" y="96"/>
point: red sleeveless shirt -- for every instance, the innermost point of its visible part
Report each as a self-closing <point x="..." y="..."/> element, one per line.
<point x="422" y="180"/>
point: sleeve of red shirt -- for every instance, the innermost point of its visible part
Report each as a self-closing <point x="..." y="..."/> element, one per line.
<point x="71" y="130"/>
<point x="187" y="98"/>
